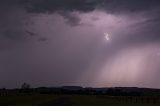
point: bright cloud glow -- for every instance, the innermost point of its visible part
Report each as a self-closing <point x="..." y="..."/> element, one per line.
<point x="107" y="37"/>
<point x="128" y="67"/>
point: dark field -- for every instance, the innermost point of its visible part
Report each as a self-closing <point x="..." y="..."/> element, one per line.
<point x="79" y="96"/>
<point x="77" y="100"/>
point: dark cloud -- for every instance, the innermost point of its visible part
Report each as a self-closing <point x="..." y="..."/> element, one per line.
<point x="66" y="7"/>
<point x="62" y="7"/>
<point x="43" y="39"/>
<point x="50" y="6"/>
<point x="13" y="27"/>
<point x="70" y="51"/>
<point x="117" y="6"/>
<point x="71" y="18"/>
<point x="14" y="35"/>
<point x="32" y="34"/>
<point x="144" y="32"/>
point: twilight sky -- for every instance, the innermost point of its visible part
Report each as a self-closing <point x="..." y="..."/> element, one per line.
<point x="97" y="43"/>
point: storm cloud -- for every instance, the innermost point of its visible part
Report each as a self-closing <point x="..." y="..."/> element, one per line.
<point x="62" y="42"/>
<point x="143" y="8"/>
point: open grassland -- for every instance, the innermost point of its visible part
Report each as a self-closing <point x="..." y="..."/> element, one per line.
<point x="111" y="101"/>
<point x="26" y="100"/>
<point x="77" y="100"/>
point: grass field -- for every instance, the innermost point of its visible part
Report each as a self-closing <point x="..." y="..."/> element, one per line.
<point x="96" y="101"/>
<point x="76" y="100"/>
<point x="27" y="100"/>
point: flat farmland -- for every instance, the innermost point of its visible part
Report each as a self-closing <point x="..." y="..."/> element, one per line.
<point x="77" y="100"/>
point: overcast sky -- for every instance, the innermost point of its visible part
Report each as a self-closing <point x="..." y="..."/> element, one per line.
<point x="96" y="43"/>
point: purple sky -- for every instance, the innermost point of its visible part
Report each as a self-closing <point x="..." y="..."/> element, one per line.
<point x="97" y="43"/>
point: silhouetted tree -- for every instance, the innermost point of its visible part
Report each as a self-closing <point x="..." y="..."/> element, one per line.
<point x="25" y="86"/>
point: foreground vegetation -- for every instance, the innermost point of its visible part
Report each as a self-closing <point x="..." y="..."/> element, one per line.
<point x="80" y="97"/>
<point x="77" y="100"/>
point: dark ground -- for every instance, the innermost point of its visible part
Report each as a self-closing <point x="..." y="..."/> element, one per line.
<point x="65" y="101"/>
